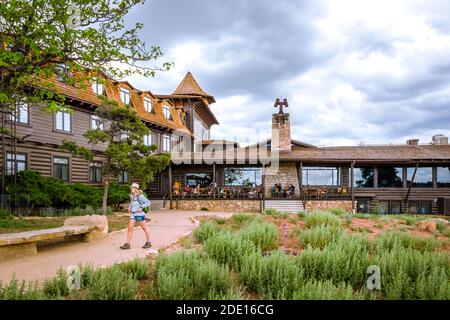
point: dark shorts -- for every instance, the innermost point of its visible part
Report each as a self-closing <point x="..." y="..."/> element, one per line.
<point x="137" y="218"/>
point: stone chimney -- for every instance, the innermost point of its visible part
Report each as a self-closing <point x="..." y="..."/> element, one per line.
<point x="281" y="128"/>
<point x="439" y="139"/>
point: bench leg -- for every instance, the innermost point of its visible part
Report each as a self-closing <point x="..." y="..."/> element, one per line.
<point x="18" y="250"/>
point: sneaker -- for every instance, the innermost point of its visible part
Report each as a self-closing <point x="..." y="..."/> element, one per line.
<point x="147" y="245"/>
<point x="125" y="246"/>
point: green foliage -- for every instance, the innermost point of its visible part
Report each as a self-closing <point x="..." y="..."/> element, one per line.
<point x="204" y="209"/>
<point x="220" y="221"/>
<point x="205" y="231"/>
<point x="56" y="288"/>
<point x="242" y="218"/>
<point x="118" y="194"/>
<point x="138" y="268"/>
<point x="339" y="212"/>
<point x="274" y="276"/>
<point x="16" y="290"/>
<point x="227" y="248"/>
<point x="320" y="236"/>
<point x="321" y="217"/>
<point x="5" y="214"/>
<point x="37" y="36"/>
<point x="263" y="234"/>
<point x="392" y="239"/>
<point x="190" y="276"/>
<point x="111" y="284"/>
<point x="326" y="290"/>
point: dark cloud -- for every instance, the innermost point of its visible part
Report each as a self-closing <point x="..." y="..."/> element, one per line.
<point x="261" y="49"/>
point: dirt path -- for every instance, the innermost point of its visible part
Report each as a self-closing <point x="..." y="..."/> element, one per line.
<point x="166" y="227"/>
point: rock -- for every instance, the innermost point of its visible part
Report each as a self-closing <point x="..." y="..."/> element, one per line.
<point x="95" y="221"/>
<point x="437" y="220"/>
<point x="429" y="226"/>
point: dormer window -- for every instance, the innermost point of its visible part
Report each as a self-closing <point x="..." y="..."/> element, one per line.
<point x="148" y="104"/>
<point x="62" y="72"/>
<point x="125" y="95"/>
<point x="97" y="87"/>
<point x="166" y="111"/>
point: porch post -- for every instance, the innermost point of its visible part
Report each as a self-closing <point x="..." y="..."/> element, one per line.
<point x="214" y="180"/>
<point x="352" y="182"/>
<point x="263" y="187"/>
<point x="300" y="180"/>
<point x="170" y="185"/>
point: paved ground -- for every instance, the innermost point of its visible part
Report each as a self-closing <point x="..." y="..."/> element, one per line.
<point x="166" y="227"/>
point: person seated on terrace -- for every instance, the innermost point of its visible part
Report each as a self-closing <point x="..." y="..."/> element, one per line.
<point x="197" y="189"/>
<point x="187" y="190"/>
<point x="274" y="190"/>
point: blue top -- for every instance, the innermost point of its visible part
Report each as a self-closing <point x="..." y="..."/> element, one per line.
<point x="138" y="201"/>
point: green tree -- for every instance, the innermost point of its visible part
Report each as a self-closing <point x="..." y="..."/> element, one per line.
<point x="122" y="135"/>
<point x="41" y="38"/>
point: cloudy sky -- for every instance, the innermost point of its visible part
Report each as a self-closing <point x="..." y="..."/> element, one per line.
<point x="353" y="70"/>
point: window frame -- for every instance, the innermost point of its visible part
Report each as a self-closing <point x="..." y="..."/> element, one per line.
<point x="410" y="172"/>
<point x="148" y="102"/>
<point x="125" y="92"/>
<point x="122" y="174"/>
<point x="206" y="173"/>
<point x="440" y="184"/>
<point x="62" y="72"/>
<point x="166" y="138"/>
<point x="63" y="121"/>
<point x="166" y="112"/>
<point x="54" y="165"/>
<point x="96" y="84"/>
<point x="93" y="118"/>
<point x="11" y="170"/>
<point x="148" y="137"/>
<point x="96" y="165"/>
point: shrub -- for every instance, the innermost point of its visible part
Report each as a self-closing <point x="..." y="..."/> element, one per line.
<point x="16" y="290"/>
<point x="241" y="218"/>
<point x="204" y="209"/>
<point x="321" y="217"/>
<point x="320" y="236"/>
<point x="326" y="290"/>
<point x="339" y="211"/>
<point x="111" y="284"/>
<point x="274" y="276"/>
<point x="271" y="212"/>
<point x="211" y="279"/>
<point x="220" y="221"/>
<point x="391" y="239"/>
<point x="138" y="268"/>
<point x="206" y="231"/>
<point x="55" y="288"/>
<point x="227" y="248"/>
<point x="5" y="214"/>
<point x="172" y="286"/>
<point x="263" y="234"/>
<point x="118" y="194"/>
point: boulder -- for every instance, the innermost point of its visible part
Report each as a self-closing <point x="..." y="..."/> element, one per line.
<point x="429" y="226"/>
<point x="437" y="220"/>
<point x="96" y="221"/>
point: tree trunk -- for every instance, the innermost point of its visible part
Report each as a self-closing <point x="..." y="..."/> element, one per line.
<point x="105" y="195"/>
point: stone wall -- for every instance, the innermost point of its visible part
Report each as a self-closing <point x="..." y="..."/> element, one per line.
<point x="312" y="205"/>
<point x="218" y="205"/>
<point x="287" y="174"/>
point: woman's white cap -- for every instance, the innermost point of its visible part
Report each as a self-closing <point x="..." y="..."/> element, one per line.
<point x="135" y="185"/>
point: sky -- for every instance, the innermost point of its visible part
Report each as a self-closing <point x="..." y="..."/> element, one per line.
<point x="353" y="71"/>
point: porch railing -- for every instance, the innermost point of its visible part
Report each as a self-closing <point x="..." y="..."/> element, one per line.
<point x="219" y="193"/>
<point x="325" y="193"/>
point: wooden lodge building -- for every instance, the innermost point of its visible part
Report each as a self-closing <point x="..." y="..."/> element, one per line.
<point x="221" y="175"/>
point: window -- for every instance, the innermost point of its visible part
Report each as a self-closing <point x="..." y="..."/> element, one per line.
<point x="420" y="207"/>
<point x="62" y="72"/>
<point x="95" y="172"/>
<point x="125" y="96"/>
<point x="395" y="207"/>
<point x="63" y="121"/>
<point x="166" y="143"/>
<point x="97" y="86"/>
<point x="166" y="111"/>
<point x="443" y="176"/>
<point x="19" y="165"/>
<point x="363" y="177"/>
<point x="148" y="139"/>
<point x="318" y="176"/>
<point x="96" y="123"/>
<point x="423" y="178"/>
<point x="123" y="176"/>
<point x="61" y="168"/>
<point x="390" y="177"/>
<point x="362" y="206"/>
<point x="383" y="207"/>
<point x="204" y="179"/>
<point x="22" y="113"/>
<point x="148" y="104"/>
<point x="243" y="177"/>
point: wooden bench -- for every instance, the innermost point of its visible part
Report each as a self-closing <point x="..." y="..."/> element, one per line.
<point x="19" y="244"/>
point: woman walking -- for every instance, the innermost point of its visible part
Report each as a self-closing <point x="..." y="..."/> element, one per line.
<point x="138" y="203"/>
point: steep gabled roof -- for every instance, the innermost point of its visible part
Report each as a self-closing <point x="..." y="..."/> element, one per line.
<point x="294" y="143"/>
<point x="190" y="87"/>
